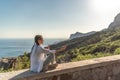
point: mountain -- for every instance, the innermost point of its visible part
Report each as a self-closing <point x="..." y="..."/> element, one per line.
<point x="116" y="23"/>
<point x="78" y="34"/>
<point x="102" y="42"/>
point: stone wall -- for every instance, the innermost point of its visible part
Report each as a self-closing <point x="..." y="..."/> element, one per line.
<point x="106" y="68"/>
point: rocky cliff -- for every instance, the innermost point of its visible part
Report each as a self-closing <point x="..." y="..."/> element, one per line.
<point x="114" y="25"/>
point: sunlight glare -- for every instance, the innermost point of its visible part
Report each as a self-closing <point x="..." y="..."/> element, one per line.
<point x="105" y="6"/>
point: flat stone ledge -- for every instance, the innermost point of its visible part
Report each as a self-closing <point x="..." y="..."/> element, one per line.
<point x="62" y="68"/>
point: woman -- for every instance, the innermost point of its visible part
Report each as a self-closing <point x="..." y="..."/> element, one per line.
<point x="39" y="57"/>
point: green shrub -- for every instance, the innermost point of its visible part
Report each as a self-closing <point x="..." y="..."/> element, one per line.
<point x="23" y="62"/>
<point x="117" y="51"/>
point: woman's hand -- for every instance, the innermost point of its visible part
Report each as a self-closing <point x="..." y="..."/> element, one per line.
<point x="47" y="47"/>
<point x="63" y="48"/>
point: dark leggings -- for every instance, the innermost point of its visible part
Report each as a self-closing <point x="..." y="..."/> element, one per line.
<point x="48" y="60"/>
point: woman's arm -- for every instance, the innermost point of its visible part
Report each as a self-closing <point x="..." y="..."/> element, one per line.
<point x="53" y="51"/>
<point x="48" y="50"/>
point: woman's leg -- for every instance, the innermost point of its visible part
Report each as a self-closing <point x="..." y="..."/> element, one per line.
<point x="49" y="58"/>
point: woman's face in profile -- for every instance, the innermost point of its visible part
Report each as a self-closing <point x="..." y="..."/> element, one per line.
<point x="40" y="41"/>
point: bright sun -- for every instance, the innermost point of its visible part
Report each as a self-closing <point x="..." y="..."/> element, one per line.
<point x="105" y="6"/>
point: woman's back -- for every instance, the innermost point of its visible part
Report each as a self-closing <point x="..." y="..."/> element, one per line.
<point x="37" y="59"/>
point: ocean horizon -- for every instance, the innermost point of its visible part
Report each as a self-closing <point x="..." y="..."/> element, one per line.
<point x="16" y="47"/>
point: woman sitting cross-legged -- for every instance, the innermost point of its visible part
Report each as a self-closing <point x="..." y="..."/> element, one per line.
<point x="39" y="58"/>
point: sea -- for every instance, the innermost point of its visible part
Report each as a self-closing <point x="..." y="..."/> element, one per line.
<point x="16" y="47"/>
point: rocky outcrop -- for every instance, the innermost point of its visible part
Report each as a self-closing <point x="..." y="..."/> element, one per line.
<point x="7" y="63"/>
<point x="116" y="23"/>
<point x="78" y="34"/>
<point x="12" y="62"/>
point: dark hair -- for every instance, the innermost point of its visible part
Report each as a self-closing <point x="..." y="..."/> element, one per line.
<point x="37" y="37"/>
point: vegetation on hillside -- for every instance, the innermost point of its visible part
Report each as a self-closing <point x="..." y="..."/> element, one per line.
<point x="100" y="44"/>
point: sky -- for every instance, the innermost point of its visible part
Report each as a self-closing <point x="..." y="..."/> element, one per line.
<point x="55" y="18"/>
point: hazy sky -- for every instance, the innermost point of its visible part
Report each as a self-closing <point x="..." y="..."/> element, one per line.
<point x="54" y="18"/>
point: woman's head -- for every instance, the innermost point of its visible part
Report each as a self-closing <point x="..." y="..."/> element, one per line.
<point x="38" y="39"/>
